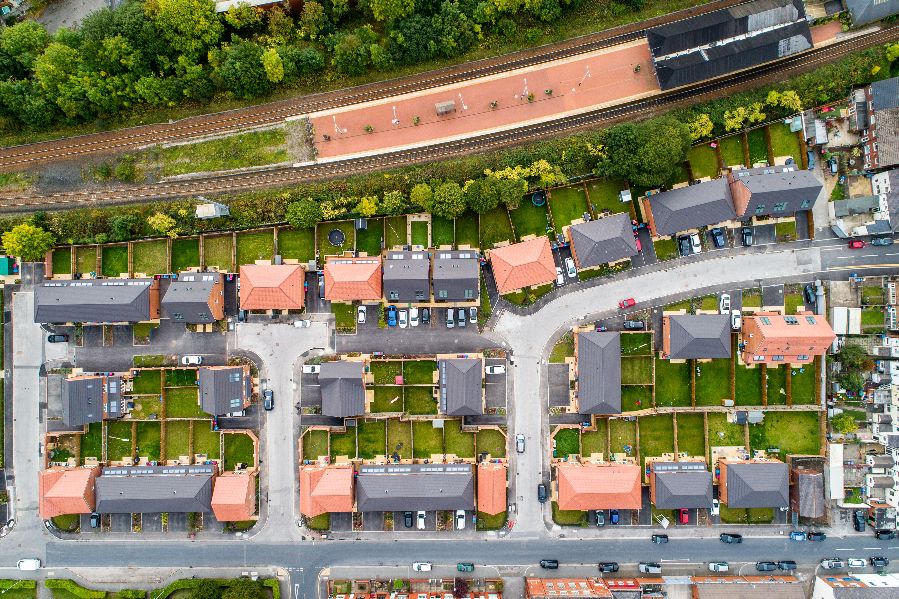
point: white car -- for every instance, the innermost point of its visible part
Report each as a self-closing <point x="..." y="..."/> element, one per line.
<point x="360" y="314"/>
<point x="420" y="525"/>
<point x="519" y="443"/>
<point x="404" y="319"/>
<point x="421" y="566"/>
<point x="496" y="369"/>
<point x="460" y="519"/>
<point x="560" y="277"/>
<point x="855" y="562"/>
<point x="29" y="563"/>
<point x="192" y="360"/>
<point x="718" y="567"/>
<point x="413" y="317"/>
<point x="716" y="507"/>
<point x="302" y="324"/>
<point x="311" y="368"/>
<point x="570" y="269"/>
<point x="695" y="243"/>
<point x="736" y="320"/>
<point x="724" y="303"/>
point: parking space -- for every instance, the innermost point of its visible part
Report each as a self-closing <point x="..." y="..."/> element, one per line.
<point x="373" y="521"/>
<point x="122" y="335"/>
<point x="151" y="522"/>
<point x="422" y="339"/>
<point x="560" y="254"/>
<point x="86" y="525"/>
<point x="177" y="522"/>
<point x="314" y="302"/>
<point x="120" y="522"/>
<point x="92" y="336"/>
<point x="709" y="239"/>
<point x="342" y="521"/>
<point x="495" y="385"/>
<point x="764" y="234"/>
<point x="773" y="295"/>
<point x="231" y="301"/>
<point x="311" y="396"/>
<point x="647" y="253"/>
<point x="557" y="381"/>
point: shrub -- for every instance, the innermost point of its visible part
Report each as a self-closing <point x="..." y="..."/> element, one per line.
<point x="73" y="588"/>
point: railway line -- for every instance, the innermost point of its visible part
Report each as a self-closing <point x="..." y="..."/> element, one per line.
<point x="21" y="157"/>
<point x="284" y="176"/>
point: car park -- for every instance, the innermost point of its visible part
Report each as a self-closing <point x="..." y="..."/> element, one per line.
<point x="695" y="243"/>
<point x="856" y="562"/>
<point x="634" y="325"/>
<point x="724" y="303"/>
<point x="885" y="535"/>
<point x="882" y="241"/>
<point x="460" y="318"/>
<point x="519" y="443"/>
<point x="832" y="563"/>
<point x="786" y="565"/>
<point x="304" y="324"/>
<point x="879" y="562"/>
<point x="608" y="567"/>
<point x="659" y="539"/>
<point x="765" y="566"/>
<point x="683" y="245"/>
<point x="718" y="237"/>
<point x="28" y="563"/>
<point x="600" y="518"/>
<point x="797" y="535"/>
<point x="391" y="316"/>
<point x="450" y="318"/>
<point x="360" y="314"/>
<point x="736" y="320"/>
<point x="549" y="564"/>
<point x="404" y="319"/>
<point x="425" y="316"/>
<point x="683" y="516"/>
<point x="268" y="401"/>
<point x="856" y="244"/>
<point x="541" y="493"/>
<point x="730" y="537"/>
<point x="192" y="360"/>
<point x="718" y="567"/>
<point x="413" y="317"/>
<point x="57" y="338"/>
<point x="858" y="520"/>
<point x="614" y="517"/>
<point x="560" y="277"/>
<point x="408" y="518"/>
<point x="649" y="568"/>
<point x="311" y="368"/>
<point x="465" y="567"/>
<point x="422" y="566"/>
<point x="746" y="233"/>
<point x="420" y="521"/>
<point x="627" y="303"/>
<point x="460" y="519"/>
<point x="495" y="369"/>
<point x="816" y="536"/>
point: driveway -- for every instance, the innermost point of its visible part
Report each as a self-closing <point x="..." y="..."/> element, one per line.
<point x="772" y="295"/>
<point x="558" y="385"/>
<point x="495" y="385"/>
<point x="415" y="340"/>
<point x="647" y="253"/>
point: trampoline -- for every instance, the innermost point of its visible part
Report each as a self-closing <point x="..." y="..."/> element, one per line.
<point x="336" y="237"/>
<point x="538" y="198"/>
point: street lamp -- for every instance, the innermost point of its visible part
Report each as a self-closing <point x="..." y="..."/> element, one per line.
<point x="337" y="128"/>
<point x="396" y="120"/>
<point x="464" y="106"/>
<point x="584" y="78"/>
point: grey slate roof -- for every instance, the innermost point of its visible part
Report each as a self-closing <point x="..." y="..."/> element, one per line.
<point x="884" y="460"/>
<point x="603" y="240"/>
<point x="148" y="490"/>
<point x="758" y="484"/>
<point x="810" y="488"/>
<point x="599" y="372"/>
<point x="460" y="389"/>
<point x="885" y="93"/>
<point x="343" y="393"/>
<point x="788" y="188"/>
<point x="893" y="197"/>
<point x="699" y="336"/>
<point x="187" y="299"/>
<point x="852" y="206"/>
<point x="96" y="300"/>
<point x="691" y="207"/>
<point x="887" y="137"/>
<point x="406" y="276"/>
<point x="82" y="399"/>
<point x="415" y="487"/>
<point x="682" y="485"/>
<point x="223" y="390"/>
<point x="868" y="11"/>
<point x="456" y="275"/>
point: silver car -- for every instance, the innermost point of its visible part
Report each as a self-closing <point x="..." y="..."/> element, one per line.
<point x="519" y="443"/>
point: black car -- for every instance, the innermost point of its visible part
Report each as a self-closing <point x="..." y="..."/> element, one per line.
<point x="549" y="564"/>
<point x="765" y="566"/>
<point x="608" y="566"/>
<point x="786" y="565"/>
<point x="718" y="237"/>
<point x="746" y="232"/>
<point x="885" y="535"/>
<point x="882" y="241"/>
<point x="95" y="520"/>
<point x="858" y="520"/>
<point x="407" y="519"/>
<point x="816" y="536"/>
<point x="541" y="493"/>
<point x="57" y="338"/>
<point x="659" y="539"/>
<point x="879" y="562"/>
<point x="425" y="316"/>
<point x="269" y="400"/>
<point x="683" y="244"/>
<point x="730" y="537"/>
<point x="634" y="325"/>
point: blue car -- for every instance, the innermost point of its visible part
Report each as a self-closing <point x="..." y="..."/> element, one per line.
<point x="391" y="316"/>
<point x="613" y="516"/>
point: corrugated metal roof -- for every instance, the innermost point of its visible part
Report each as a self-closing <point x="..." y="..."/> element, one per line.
<point x="699" y="336"/>
<point x="757" y="485"/>
<point x="691" y="207"/>
<point x="603" y="240"/>
<point x="93" y="301"/>
<point x="415" y="487"/>
<point x="868" y="11"/>
<point x="461" y="387"/>
<point x="343" y="393"/>
<point x="599" y="372"/>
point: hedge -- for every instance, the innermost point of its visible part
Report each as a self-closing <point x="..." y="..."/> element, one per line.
<point x="70" y="586"/>
<point x="132" y="594"/>
<point x="191" y="583"/>
<point x="7" y="584"/>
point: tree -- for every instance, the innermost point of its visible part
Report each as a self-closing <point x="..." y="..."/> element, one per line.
<point x="449" y="201"/>
<point x="243" y="16"/>
<point x="390" y="10"/>
<point x="244" y="588"/>
<point x="352" y="52"/>
<point x="852" y="356"/>
<point x="701" y="127"/>
<point x="367" y="206"/>
<point x="393" y="203"/>
<point x="648" y="154"/>
<point x="892" y="52"/>
<point x="206" y="589"/>
<point x="163" y="223"/>
<point x="843" y="423"/>
<point x="242" y="71"/>
<point x="422" y="195"/>
<point x="273" y="65"/>
<point x="313" y="19"/>
<point x="304" y="214"/>
<point x="511" y="191"/>
<point x="299" y="62"/>
<point x="852" y="381"/>
<point x="25" y="41"/>
<point x="27" y="241"/>
<point x="123" y="226"/>
<point x="189" y="26"/>
<point x="482" y="195"/>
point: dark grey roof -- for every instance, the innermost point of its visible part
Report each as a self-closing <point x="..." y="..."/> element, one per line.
<point x="788" y="189"/>
<point x="882" y="482"/>
<point x="415" y="487"/>
<point x="809" y="487"/>
<point x="699" y="336"/>
<point x="728" y="40"/>
<point x="187" y="299"/>
<point x="691" y="207"/>
<point x="865" y="592"/>
<point x="599" y="372"/>
<point x="892" y="177"/>
<point x="406" y="276"/>
<point x="343" y="393"/>
<point x="885" y="93"/>
<point x="868" y="11"/>
<point x="223" y="389"/>
<point x="883" y="460"/>
<point x="682" y="485"/>
<point x="82" y="399"/>
<point x="148" y="490"/>
<point x="96" y="300"/>
<point x="758" y="484"/>
<point x="853" y="206"/>
<point x="887" y="137"/>
<point x="456" y="276"/>
<point x="603" y="240"/>
<point x="461" y="389"/>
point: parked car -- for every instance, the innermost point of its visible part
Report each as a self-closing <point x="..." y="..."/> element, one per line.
<point x="816" y="536"/>
<point x="420" y="519"/>
<point x="570" y="270"/>
<point x="450" y="318"/>
<point x="95" y="520"/>
<point x="311" y="368"/>
<point x="614" y="517"/>
<point x="786" y="565"/>
<point x="192" y="360"/>
<point x="360" y="314"/>
<point x="413" y="317"/>
<point x="649" y="568"/>
<point x="495" y="369"/>
<point x="473" y="315"/>
<point x="765" y="566"/>
<point x="659" y="539"/>
<point x="832" y="563"/>
<point x="718" y="237"/>
<point x="724" y="303"/>
<point x="879" y="562"/>
<point x="268" y="401"/>
<point x="634" y="325"/>
<point x="797" y="535"/>
<point x="460" y="519"/>
<point x="600" y="518"/>
<point x="391" y="316"/>
<point x="858" y="520"/>
<point x="465" y="567"/>
<point x="683" y="516"/>
<point x="519" y="443"/>
<point x="627" y="303"/>
<point x="885" y="535"/>
<point x="460" y="318"/>
<point x="404" y="319"/>
<point x="736" y="320"/>
<point x="809" y="294"/>
<point x="549" y="564"/>
<point x="425" y="316"/>
<point x="718" y="567"/>
<point x="746" y="233"/>
<point x="730" y="538"/>
<point x="304" y="324"/>
<point x="421" y="566"/>
<point x="57" y="338"/>
<point x="695" y="243"/>
<point x="541" y="493"/>
<point x="29" y="563"/>
<point x="608" y="567"/>
<point x="560" y="277"/>
<point x="856" y="244"/>
<point x="408" y="519"/>
<point x="683" y="245"/>
<point x="882" y="241"/>
<point x="716" y="507"/>
<point x="856" y="562"/>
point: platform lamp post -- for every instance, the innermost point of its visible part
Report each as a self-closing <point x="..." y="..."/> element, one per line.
<point x="337" y="128"/>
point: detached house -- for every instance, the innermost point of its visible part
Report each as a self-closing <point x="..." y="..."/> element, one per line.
<point x="91" y="398"/>
<point x="64" y="491"/>
<point x="590" y="486"/>
<point x="772" y="338"/>
<point x="325" y="489"/>
<point x="524" y="264"/>
<point x="353" y="279"/>
<point x="696" y="337"/>
<point x="224" y="389"/>
<point x="456" y="276"/>
<point x="195" y="298"/>
<point x="461" y="388"/>
<point x="598" y="362"/>
<point x="97" y="301"/>
<point x="342" y="389"/>
<point x="491" y="488"/>
<point x="272" y="287"/>
<point x="234" y="497"/>
<point x="407" y="277"/>
<point x="607" y="240"/>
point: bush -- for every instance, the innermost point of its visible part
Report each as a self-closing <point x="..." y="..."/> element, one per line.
<point x="73" y="588"/>
<point x="132" y="594"/>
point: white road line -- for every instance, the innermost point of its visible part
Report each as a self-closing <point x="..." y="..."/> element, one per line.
<point x="870" y="548"/>
<point x="844" y="550"/>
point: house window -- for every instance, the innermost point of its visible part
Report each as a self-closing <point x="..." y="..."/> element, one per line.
<point x="203" y="315"/>
<point x="236" y="403"/>
<point x="469" y="294"/>
<point x="777" y="358"/>
<point x="758" y="358"/>
<point x="393" y="296"/>
<point x="765" y="320"/>
<point x="791" y="320"/>
<point x="780" y="207"/>
<point x="420" y="295"/>
<point x="760" y="209"/>
<point x="441" y="294"/>
<point x="810" y="319"/>
<point x="805" y="205"/>
<point x="234" y="377"/>
<point x="802" y="357"/>
<point x="177" y="316"/>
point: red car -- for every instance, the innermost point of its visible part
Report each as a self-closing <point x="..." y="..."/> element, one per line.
<point x="639" y="245"/>
<point x="627" y="303"/>
<point x="856" y="244"/>
<point x="683" y="516"/>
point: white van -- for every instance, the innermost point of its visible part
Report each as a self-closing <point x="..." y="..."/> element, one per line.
<point x="421" y="566"/>
<point x="29" y="563"/>
<point x="650" y="568"/>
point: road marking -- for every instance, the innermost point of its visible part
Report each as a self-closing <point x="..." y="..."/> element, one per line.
<point x="844" y="550"/>
<point x="869" y="548"/>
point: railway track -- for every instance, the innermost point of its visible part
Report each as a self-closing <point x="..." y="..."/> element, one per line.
<point x="21" y="157"/>
<point x="284" y="176"/>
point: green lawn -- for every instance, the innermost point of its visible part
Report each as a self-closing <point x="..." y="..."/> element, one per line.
<point x="752" y="298"/>
<point x="529" y="219"/>
<point x="872" y="319"/>
<point x="563" y="349"/>
<point x="672" y="383"/>
<point x="344" y="443"/>
<point x="118" y="440"/>
<point x="315" y="444"/>
<point x="344" y="317"/>
<point x="86" y="259"/>
<point x="387" y="399"/>
<point x="442" y="231"/>
<point x="395" y="231"/>
<point x="177" y="439"/>
<point x="623" y="434"/>
<point x="636" y="370"/>
<point x="369" y="240"/>
<point x="148" y="440"/>
<point x="723" y="433"/>
<point x="748" y="386"/>
<point x="713" y="382"/>
<point x="595" y="441"/>
<point x="146" y="407"/>
<point x="567" y="204"/>
<point x="491" y="441"/>
<point x="297" y="244"/>
<point x="568" y="517"/>
<point x="372" y="438"/>
<point x="792" y="432"/>
<point x="320" y="522"/>
<point x="259" y="245"/>
<point x="148" y="381"/>
<point x="758" y="146"/>
<point x="426" y="440"/>
<point x="793" y="302"/>
<point x="665" y="249"/>
<point x="777" y="385"/>
<point x="386" y="371"/>
<point x="399" y="438"/>
<point x="731" y="148"/>
<point x="467" y="230"/>
<point x="62" y="261"/>
<point x="636" y="344"/>
<point x="495" y="227"/>
<point x="802" y="387"/>
<point x="419" y="372"/>
<point x="872" y="296"/>
<point x="115" y="260"/>
<point x="324" y="246"/>
<point x="420" y="400"/>
<point x="185" y="254"/>
<point x="690" y="434"/>
<point x="217" y="252"/>
<point x="785" y="231"/>
<point x="707" y="302"/>
<point x="680" y="174"/>
<point x="784" y="142"/>
<point x="238" y="449"/>
<point x="656" y="435"/>
<point x="92" y="442"/>
<point x="603" y="195"/>
<point x="150" y="257"/>
<point x="491" y="521"/>
<point x="183" y="402"/>
<point x="180" y="377"/>
<point x="457" y="441"/>
<point x="567" y="442"/>
<point x="256" y="148"/>
<point x="746" y="516"/>
<point x="420" y="233"/>
<point x="703" y="161"/>
<point x="636" y="397"/>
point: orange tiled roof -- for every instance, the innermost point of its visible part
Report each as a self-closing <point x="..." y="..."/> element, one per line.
<point x="523" y="264"/>
<point x="491" y="488"/>
<point x="348" y="279"/>
<point x="325" y="489"/>
<point x="234" y="497"/>
<point x="768" y="334"/>
<point x="271" y="286"/>
<point x="594" y="486"/>
<point x="66" y="491"/>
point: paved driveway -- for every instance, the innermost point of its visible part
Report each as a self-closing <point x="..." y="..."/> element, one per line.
<point x="495" y="385"/>
<point x="773" y="295"/>
<point x="558" y="385"/>
<point x="415" y="340"/>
